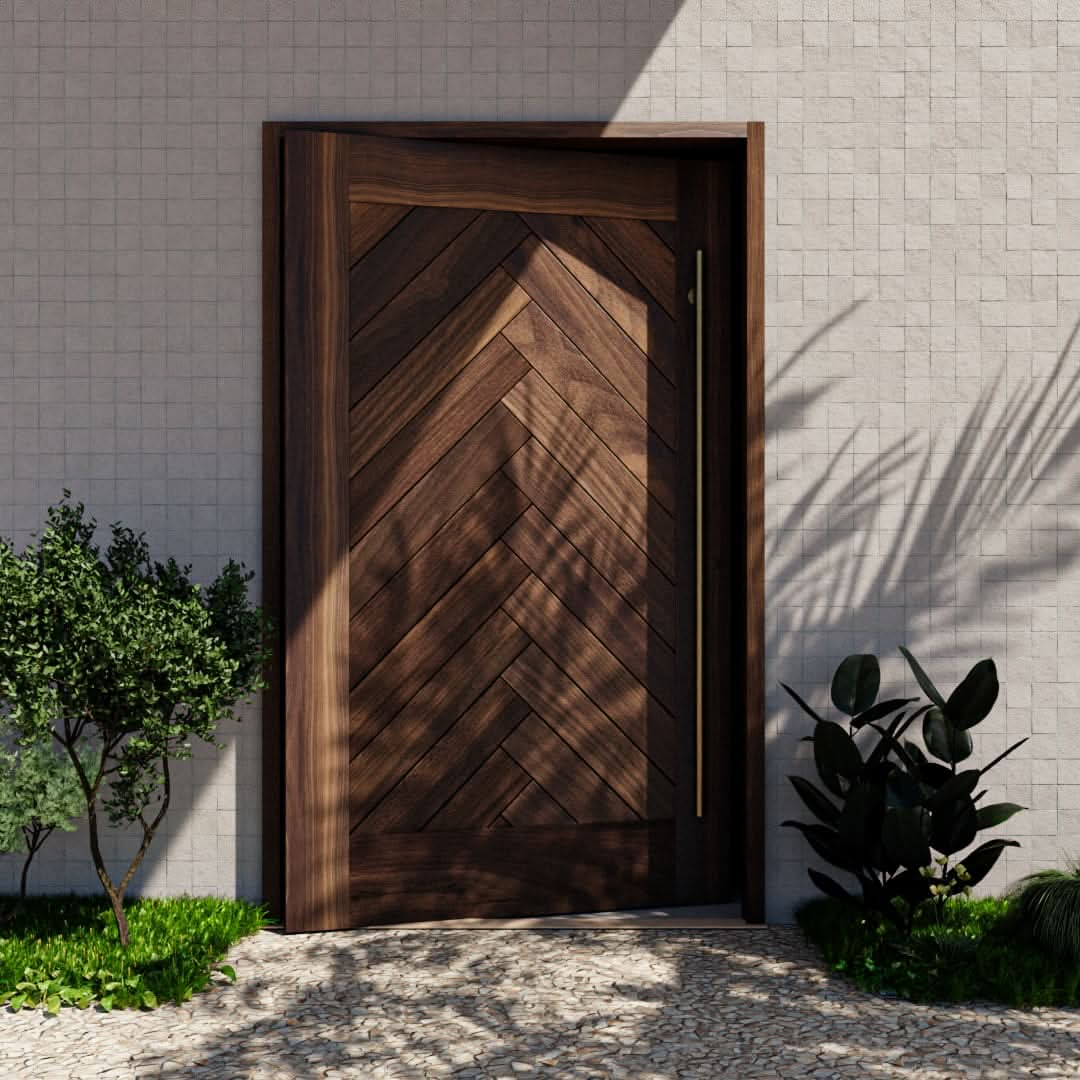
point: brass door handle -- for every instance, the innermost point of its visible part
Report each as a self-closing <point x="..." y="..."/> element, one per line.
<point x="698" y="299"/>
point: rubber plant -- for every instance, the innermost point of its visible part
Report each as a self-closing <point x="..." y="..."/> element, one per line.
<point x="896" y="815"/>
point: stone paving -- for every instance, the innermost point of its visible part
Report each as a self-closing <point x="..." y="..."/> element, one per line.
<point x="639" y="1004"/>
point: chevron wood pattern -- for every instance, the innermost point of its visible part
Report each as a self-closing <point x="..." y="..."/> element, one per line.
<point x="513" y="498"/>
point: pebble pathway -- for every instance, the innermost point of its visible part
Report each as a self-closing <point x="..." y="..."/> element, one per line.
<point x="523" y="1004"/>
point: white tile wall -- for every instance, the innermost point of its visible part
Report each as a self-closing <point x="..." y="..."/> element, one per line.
<point x="923" y="282"/>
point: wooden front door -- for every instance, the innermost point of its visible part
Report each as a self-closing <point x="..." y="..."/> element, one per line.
<point x="496" y="393"/>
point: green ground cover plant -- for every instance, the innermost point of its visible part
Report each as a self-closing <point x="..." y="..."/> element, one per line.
<point x="962" y="950"/>
<point x="63" y="950"/>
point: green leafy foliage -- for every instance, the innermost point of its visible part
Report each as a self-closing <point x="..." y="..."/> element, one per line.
<point x="889" y="815"/>
<point x="856" y="683"/>
<point x="59" y="951"/>
<point x="116" y="651"/>
<point x="1047" y="906"/>
<point x="962" y="950"/>
<point x="39" y="792"/>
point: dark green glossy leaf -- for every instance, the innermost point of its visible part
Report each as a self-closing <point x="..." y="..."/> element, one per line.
<point x="928" y="688"/>
<point x="971" y="702"/>
<point x="818" y="803"/>
<point x="835" y="751"/>
<point x="934" y="775"/>
<point x="880" y="710"/>
<point x="996" y="814"/>
<point x="860" y="820"/>
<point x="828" y="886"/>
<point x="944" y="739"/>
<point x="875" y="896"/>
<point x="802" y="704"/>
<point x="906" y="834"/>
<point x="980" y="862"/>
<point x="915" y="751"/>
<point x="855" y="684"/>
<point x="956" y="787"/>
<point x="1003" y="755"/>
<point x="903" y="790"/>
<point x="954" y="827"/>
<point x="826" y="843"/>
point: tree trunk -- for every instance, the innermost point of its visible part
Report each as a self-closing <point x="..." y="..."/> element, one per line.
<point x="25" y="871"/>
<point x="115" y="895"/>
<point x="35" y="836"/>
<point x="117" y="902"/>
<point x="115" y="892"/>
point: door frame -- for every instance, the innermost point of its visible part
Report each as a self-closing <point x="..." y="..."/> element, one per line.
<point x="305" y="831"/>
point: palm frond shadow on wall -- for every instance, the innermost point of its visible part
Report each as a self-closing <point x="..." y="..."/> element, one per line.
<point x="930" y="535"/>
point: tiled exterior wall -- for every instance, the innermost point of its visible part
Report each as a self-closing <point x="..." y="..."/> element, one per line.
<point x="923" y="240"/>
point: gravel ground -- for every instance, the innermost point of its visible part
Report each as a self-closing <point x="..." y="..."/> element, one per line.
<point x="640" y="1004"/>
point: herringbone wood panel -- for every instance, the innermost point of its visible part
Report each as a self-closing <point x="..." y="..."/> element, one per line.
<point x="512" y="520"/>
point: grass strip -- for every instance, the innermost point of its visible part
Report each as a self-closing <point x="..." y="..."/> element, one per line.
<point x="64" y="950"/>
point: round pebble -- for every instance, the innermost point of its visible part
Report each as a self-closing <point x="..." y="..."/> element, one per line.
<point x="574" y="1004"/>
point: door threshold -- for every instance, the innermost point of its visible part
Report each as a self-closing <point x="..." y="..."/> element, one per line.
<point x="701" y="917"/>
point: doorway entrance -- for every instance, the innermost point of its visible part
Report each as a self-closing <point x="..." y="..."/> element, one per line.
<point x="511" y="532"/>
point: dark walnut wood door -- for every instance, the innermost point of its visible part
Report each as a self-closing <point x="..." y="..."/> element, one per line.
<point x="519" y="530"/>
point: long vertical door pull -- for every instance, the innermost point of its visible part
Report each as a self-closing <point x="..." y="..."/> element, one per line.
<point x="698" y="299"/>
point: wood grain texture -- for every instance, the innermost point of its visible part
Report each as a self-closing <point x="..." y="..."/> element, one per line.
<point x="445" y="628"/>
<point x="591" y="733"/>
<point x="429" y="503"/>
<point x="555" y="182"/>
<point x="651" y="260"/>
<point x="607" y="480"/>
<point x="376" y="487"/>
<point x="599" y="607"/>
<point x="314" y="516"/>
<point x="566" y="302"/>
<point x="497" y="783"/>
<point x="691" y="235"/>
<point x="412" y="383"/>
<point x="666" y="230"/>
<point x="369" y="223"/>
<point x="534" y="806"/>
<point x="754" y="761"/>
<point x="475" y="649"/>
<point x="381" y="623"/>
<point x="431" y="296"/>
<point x="611" y="284"/>
<point x="380" y="763"/>
<point x="595" y="401"/>
<point x="543" y="754"/>
<point x="540" y="613"/>
<point x="434" y="778"/>
<point x="724" y="557"/>
<point x="273" y="761"/>
<point x="398" y="257"/>
<point x="579" y="518"/>
<point x="405" y="877"/>
<point x="651" y="136"/>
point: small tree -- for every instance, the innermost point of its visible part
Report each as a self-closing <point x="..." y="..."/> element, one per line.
<point x="39" y="792"/>
<point x="125" y="655"/>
